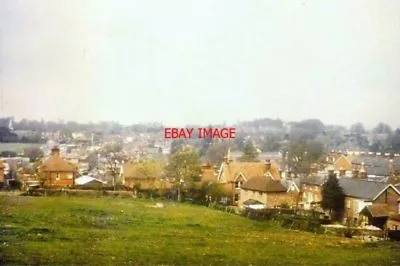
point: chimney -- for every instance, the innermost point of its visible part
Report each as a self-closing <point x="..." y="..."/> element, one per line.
<point x="267" y="165"/>
<point x="363" y="173"/>
<point x="55" y="151"/>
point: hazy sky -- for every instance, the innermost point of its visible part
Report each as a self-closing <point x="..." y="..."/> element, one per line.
<point x="202" y="61"/>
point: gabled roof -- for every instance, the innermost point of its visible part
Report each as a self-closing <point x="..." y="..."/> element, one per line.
<point x="264" y="184"/>
<point x="377" y="210"/>
<point x="82" y="180"/>
<point x="343" y="163"/>
<point x="362" y="189"/>
<point x="371" y="160"/>
<point x="252" y="202"/>
<point x="55" y="163"/>
<point x="229" y="171"/>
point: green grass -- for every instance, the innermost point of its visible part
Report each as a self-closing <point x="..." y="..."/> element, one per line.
<point x="114" y="231"/>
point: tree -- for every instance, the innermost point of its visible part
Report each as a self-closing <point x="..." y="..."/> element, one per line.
<point x="113" y="147"/>
<point x="33" y="153"/>
<point x="250" y="153"/>
<point x="177" y="145"/>
<point x="216" y="191"/>
<point x="114" y="162"/>
<point x="93" y="161"/>
<point x="332" y="195"/>
<point x="359" y="133"/>
<point x="183" y="166"/>
<point x="301" y="154"/>
<point x="271" y="143"/>
<point x="394" y="142"/>
<point x="205" y="144"/>
<point x="382" y="128"/>
<point x="151" y="170"/>
<point x="216" y="152"/>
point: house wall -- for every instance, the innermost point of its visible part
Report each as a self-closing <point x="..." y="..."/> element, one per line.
<point x="269" y="199"/>
<point x="58" y="179"/>
<point x="393" y="225"/>
<point x="276" y="199"/>
<point x="250" y="194"/>
<point x="310" y="193"/>
<point x="390" y="198"/>
<point x="353" y="207"/>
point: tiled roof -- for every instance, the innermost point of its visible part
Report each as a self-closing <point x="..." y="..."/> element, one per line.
<point x="371" y="161"/>
<point x="252" y="202"/>
<point x="378" y="210"/>
<point x="229" y="171"/>
<point x="378" y="170"/>
<point x="55" y="163"/>
<point x="360" y="188"/>
<point x="264" y="184"/>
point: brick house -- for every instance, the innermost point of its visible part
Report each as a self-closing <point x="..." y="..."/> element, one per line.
<point x="56" y="171"/>
<point x="268" y="191"/>
<point x="360" y="193"/>
<point x="311" y="191"/>
<point x="234" y="174"/>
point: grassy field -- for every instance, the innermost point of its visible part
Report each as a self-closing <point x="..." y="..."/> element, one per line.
<point x="114" y="231"/>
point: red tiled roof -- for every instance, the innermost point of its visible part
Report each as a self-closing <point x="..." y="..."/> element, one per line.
<point x="264" y="184"/>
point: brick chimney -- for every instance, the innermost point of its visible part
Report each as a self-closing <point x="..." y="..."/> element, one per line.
<point x="363" y="172"/>
<point x="267" y="165"/>
<point x="55" y="151"/>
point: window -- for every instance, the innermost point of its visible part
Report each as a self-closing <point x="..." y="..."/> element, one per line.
<point x="58" y="176"/>
<point x="348" y="204"/>
<point x="70" y="176"/>
<point x="238" y="184"/>
<point x="236" y="197"/>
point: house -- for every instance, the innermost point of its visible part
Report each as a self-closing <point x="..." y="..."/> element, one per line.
<point x="360" y="193"/>
<point x="234" y="174"/>
<point x="375" y="167"/>
<point x="88" y="182"/>
<point x="267" y="190"/>
<point x="343" y="166"/>
<point x="311" y="191"/>
<point x="56" y="171"/>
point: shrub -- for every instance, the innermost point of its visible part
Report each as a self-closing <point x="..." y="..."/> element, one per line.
<point x="15" y="184"/>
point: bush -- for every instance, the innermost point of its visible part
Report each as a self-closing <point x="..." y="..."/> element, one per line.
<point x="15" y="184"/>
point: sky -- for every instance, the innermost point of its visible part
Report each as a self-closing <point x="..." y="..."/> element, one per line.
<point x="200" y="62"/>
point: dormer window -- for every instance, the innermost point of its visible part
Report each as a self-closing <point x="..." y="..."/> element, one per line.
<point x="238" y="184"/>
